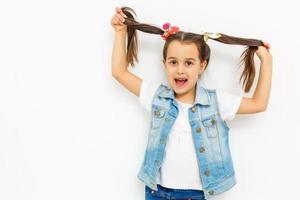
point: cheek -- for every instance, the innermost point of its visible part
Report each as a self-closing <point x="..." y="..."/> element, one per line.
<point x="169" y="74"/>
<point x="193" y="73"/>
<point x="170" y="70"/>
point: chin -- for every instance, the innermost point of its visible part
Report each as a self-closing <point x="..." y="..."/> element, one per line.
<point x="180" y="90"/>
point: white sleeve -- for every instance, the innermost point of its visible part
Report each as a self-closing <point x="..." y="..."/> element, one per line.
<point x="228" y="104"/>
<point x="147" y="91"/>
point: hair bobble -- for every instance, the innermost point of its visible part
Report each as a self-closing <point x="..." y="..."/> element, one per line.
<point x="207" y="35"/>
<point x="169" y="30"/>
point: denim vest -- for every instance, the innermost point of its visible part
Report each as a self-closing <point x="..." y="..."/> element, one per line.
<point x="210" y="137"/>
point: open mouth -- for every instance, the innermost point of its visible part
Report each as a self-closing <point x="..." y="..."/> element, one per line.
<point x="180" y="81"/>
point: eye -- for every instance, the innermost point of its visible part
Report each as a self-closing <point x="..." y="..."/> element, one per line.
<point x="173" y="62"/>
<point x="189" y="63"/>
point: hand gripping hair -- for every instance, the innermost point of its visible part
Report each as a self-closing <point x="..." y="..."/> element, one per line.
<point x="170" y="33"/>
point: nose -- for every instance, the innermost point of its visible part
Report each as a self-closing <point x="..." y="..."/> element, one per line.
<point x="180" y="69"/>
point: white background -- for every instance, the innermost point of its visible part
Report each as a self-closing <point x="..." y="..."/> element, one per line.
<point x="68" y="130"/>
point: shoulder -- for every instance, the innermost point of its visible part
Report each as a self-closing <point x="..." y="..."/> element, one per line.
<point x="226" y="95"/>
<point x="150" y="87"/>
<point x="163" y="89"/>
<point x="148" y="90"/>
<point x="210" y="91"/>
<point x="228" y="103"/>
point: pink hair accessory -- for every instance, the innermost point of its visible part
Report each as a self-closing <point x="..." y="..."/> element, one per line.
<point x="169" y="30"/>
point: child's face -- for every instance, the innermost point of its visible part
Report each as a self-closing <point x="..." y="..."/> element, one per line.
<point x="183" y="63"/>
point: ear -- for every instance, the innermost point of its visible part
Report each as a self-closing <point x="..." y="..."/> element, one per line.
<point x="164" y="62"/>
<point x="203" y="66"/>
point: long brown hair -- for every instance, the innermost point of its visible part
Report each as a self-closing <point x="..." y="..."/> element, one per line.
<point x="247" y="57"/>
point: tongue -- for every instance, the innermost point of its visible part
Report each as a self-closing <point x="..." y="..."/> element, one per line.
<point x="180" y="82"/>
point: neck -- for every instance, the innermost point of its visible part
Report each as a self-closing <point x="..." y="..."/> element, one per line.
<point x="188" y="97"/>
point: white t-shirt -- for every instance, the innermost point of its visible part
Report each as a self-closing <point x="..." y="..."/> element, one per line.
<point x="179" y="168"/>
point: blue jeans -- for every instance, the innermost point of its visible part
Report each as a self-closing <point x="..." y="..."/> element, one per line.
<point x="164" y="193"/>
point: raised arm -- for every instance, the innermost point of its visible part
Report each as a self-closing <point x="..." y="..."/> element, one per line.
<point x="259" y="101"/>
<point x="119" y="61"/>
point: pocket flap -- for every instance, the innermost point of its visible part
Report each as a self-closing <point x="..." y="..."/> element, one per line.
<point x="210" y="122"/>
<point x="158" y="112"/>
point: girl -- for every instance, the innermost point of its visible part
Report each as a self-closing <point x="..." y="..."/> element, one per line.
<point x="187" y="155"/>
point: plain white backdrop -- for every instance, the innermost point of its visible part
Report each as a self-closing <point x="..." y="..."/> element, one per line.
<point x="68" y="130"/>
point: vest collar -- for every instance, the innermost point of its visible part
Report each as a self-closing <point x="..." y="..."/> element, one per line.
<point x="202" y="96"/>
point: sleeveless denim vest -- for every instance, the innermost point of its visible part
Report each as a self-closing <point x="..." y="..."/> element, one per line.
<point x="210" y="137"/>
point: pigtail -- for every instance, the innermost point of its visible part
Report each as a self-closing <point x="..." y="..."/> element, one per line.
<point x="132" y="26"/>
<point x="247" y="57"/>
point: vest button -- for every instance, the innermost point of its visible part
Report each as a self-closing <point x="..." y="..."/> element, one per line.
<point x="157" y="113"/>
<point x="207" y="172"/>
<point x="213" y="121"/>
<point x="152" y="191"/>
<point x="193" y="109"/>
<point x="202" y="149"/>
<point x="211" y="192"/>
<point x="198" y="130"/>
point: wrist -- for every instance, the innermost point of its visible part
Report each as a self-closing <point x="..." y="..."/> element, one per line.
<point x="265" y="60"/>
<point x="120" y="32"/>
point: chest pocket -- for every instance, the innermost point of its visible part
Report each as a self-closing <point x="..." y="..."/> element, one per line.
<point x="211" y="128"/>
<point x="157" y="115"/>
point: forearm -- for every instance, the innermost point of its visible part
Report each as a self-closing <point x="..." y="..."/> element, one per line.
<point x="119" y="60"/>
<point x="263" y="88"/>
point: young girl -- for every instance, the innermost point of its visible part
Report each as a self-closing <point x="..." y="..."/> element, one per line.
<point x="187" y="155"/>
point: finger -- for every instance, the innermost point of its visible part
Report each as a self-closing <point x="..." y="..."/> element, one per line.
<point x="119" y="11"/>
<point x="116" y="21"/>
<point x="120" y="17"/>
<point x="120" y="22"/>
<point x="122" y="13"/>
<point x="267" y="45"/>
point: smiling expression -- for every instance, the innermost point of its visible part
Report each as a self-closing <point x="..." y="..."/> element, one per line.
<point x="183" y="67"/>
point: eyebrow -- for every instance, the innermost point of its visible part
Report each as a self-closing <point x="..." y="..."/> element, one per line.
<point x="185" y="59"/>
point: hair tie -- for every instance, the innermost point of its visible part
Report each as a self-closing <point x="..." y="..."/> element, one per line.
<point x="169" y="30"/>
<point x="207" y="35"/>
